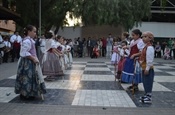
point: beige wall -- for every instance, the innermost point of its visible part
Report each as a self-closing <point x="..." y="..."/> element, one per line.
<point x="101" y="31"/>
<point x="7" y="26"/>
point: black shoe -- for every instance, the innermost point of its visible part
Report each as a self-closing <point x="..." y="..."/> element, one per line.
<point x="23" y="97"/>
<point x="49" y="78"/>
<point x="135" y="87"/>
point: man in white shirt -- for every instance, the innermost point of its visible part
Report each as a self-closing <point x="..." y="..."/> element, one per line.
<point x="7" y="49"/>
<point x="15" y="41"/>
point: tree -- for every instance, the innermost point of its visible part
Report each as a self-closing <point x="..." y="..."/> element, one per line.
<point x="126" y="13"/>
<point x="53" y="12"/>
<point x="112" y="12"/>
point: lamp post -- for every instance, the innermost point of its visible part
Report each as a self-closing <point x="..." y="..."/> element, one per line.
<point x="40" y="18"/>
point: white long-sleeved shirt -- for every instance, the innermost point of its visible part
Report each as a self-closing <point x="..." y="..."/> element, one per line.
<point x="149" y="57"/>
<point x="15" y="38"/>
<point x="7" y="44"/>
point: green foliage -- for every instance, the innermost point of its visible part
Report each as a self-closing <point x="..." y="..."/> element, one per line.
<point x="92" y="12"/>
<point x="112" y="12"/>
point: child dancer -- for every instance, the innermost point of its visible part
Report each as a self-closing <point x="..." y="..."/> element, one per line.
<point x="29" y="84"/>
<point x="60" y="48"/>
<point x="136" y="46"/>
<point x="115" y="54"/>
<point x="51" y="66"/>
<point x="146" y="62"/>
<point x="70" y="60"/>
<point x="123" y="52"/>
<point x="115" y="57"/>
<point x="65" y="54"/>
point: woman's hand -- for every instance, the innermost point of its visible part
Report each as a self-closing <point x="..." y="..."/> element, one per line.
<point x="132" y="57"/>
<point x="146" y="72"/>
<point x="35" y="60"/>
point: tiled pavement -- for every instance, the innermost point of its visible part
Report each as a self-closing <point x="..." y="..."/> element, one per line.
<point x="91" y="84"/>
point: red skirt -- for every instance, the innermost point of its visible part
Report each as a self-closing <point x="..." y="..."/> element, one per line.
<point x="121" y="64"/>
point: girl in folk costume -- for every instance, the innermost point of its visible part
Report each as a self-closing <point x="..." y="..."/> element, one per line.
<point x="136" y="46"/>
<point x="60" y="47"/>
<point x="115" y="54"/>
<point x="146" y="61"/>
<point x="51" y="66"/>
<point x="29" y="83"/>
<point x="70" y="60"/>
<point x="125" y="36"/>
<point x="124" y="53"/>
<point x="64" y="51"/>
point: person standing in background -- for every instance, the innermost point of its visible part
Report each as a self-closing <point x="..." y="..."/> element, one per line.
<point x="7" y="49"/>
<point x="88" y="46"/>
<point x="99" y="43"/>
<point x="15" y="42"/>
<point x="109" y="46"/>
<point x="163" y="45"/>
<point x="104" y="42"/>
<point x="93" y="43"/>
<point x="157" y="50"/>
<point x="173" y="48"/>
<point x="170" y="44"/>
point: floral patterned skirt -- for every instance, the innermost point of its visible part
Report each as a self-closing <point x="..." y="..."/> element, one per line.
<point x="27" y="80"/>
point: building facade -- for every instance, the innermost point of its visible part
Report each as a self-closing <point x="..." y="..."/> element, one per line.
<point x="7" y="25"/>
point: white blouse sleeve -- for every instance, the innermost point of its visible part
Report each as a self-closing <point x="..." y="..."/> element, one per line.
<point x="140" y="45"/>
<point x="53" y="44"/>
<point x="12" y="38"/>
<point x="25" y="48"/>
<point x="127" y="53"/>
<point x="149" y="57"/>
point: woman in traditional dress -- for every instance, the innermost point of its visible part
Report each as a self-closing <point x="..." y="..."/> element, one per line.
<point x="64" y="50"/>
<point x="29" y="83"/>
<point x="51" y="66"/>
<point x="128" y="73"/>
<point x="68" y="48"/>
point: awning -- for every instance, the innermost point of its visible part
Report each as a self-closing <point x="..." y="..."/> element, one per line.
<point x="6" y="14"/>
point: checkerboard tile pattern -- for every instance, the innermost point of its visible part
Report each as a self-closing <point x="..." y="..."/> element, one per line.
<point x="92" y="84"/>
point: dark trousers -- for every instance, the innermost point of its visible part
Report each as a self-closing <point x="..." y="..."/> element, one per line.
<point x="88" y="50"/>
<point x="91" y="51"/>
<point x="174" y="53"/>
<point x="103" y="51"/>
<point x="6" y="56"/>
<point x="158" y="54"/>
<point x="171" y="52"/>
<point x="148" y="81"/>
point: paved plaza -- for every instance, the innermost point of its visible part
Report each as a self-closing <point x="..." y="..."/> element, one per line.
<point x="88" y="87"/>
